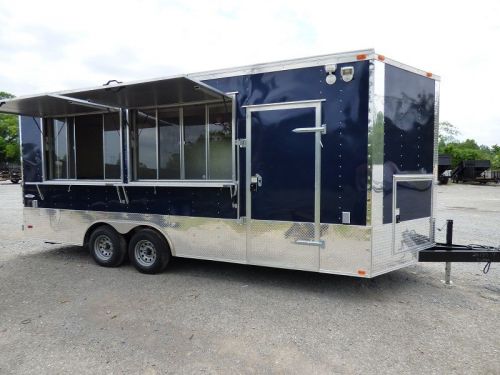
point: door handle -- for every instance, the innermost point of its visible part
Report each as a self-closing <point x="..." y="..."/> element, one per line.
<point x="255" y="182"/>
<point x="321" y="129"/>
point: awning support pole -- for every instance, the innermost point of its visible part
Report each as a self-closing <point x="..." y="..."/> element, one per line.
<point x="85" y="103"/>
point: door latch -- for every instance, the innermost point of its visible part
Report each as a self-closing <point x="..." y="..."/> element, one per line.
<point x="398" y="216"/>
<point x="255" y="181"/>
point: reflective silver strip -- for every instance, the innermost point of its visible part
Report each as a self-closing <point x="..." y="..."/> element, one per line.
<point x="284" y="105"/>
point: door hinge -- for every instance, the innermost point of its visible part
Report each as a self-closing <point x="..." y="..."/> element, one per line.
<point x="242" y="143"/>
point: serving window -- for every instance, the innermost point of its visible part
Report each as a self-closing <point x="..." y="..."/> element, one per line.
<point x="193" y="142"/>
<point x="86" y="147"/>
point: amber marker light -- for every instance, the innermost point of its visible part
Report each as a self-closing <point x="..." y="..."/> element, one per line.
<point x="380" y="57"/>
<point x="361" y="57"/>
<point x="428" y="74"/>
<point x="361" y="272"/>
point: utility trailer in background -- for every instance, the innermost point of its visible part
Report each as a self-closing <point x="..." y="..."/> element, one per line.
<point x="323" y="164"/>
<point x="473" y="171"/>
<point x="444" y="169"/>
<point x="9" y="171"/>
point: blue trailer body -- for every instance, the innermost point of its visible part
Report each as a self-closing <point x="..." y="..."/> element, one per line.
<point x="344" y="157"/>
<point x="374" y="130"/>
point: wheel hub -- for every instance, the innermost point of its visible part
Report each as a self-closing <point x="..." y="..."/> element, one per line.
<point x="103" y="247"/>
<point x="145" y="253"/>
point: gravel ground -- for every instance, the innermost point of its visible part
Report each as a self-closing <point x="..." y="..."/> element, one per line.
<point x="60" y="313"/>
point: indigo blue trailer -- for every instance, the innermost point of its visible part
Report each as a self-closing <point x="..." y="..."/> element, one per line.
<point x="323" y="164"/>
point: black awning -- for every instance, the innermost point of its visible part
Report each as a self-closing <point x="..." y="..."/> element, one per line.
<point x="152" y="93"/>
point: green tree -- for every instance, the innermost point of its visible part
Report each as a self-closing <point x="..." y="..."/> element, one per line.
<point x="447" y="133"/>
<point x="9" y="135"/>
<point x="466" y="150"/>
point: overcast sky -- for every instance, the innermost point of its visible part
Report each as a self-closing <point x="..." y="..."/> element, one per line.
<point x="54" y="45"/>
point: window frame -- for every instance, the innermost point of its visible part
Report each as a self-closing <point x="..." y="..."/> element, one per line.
<point x="182" y="181"/>
<point x="47" y="159"/>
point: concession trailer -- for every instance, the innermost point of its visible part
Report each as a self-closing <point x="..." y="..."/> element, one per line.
<point x="323" y="164"/>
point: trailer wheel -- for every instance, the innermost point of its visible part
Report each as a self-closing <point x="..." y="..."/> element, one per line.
<point x="14" y="181"/>
<point x="107" y="246"/>
<point x="149" y="251"/>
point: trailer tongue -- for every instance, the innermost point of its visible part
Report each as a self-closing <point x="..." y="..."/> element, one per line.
<point x="449" y="252"/>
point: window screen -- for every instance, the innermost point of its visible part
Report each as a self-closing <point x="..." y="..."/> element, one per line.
<point x="60" y="156"/>
<point x="195" y="142"/>
<point x="169" y="143"/>
<point x="84" y="147"/>
<point x="145" y="135"/>
<point x="60" y="149"/>
<point x="220" y="142"/>
<point x="112" y="145"/>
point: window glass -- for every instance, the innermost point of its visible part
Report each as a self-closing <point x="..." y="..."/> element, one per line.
<point x="70" y="121"/>
<point x="58" y="167"/>
<point x="112" y="144"/>
<point x="220" y="142"/>
<point x="89" y="143"/>
<point x="195" y="142"/>
<point x="83" y="147"/>
<point x="169" y="143"/>
<point x="145" y="135"/>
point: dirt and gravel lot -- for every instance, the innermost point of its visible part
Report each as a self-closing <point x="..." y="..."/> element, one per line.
<point x="60" y="313"/>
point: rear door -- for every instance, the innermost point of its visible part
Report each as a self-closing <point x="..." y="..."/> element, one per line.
<point x="412" y="213"/>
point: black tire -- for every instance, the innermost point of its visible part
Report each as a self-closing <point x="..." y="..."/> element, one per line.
<point x="107" y="246"/>
<point x="149" y="251"/>
<point x="14" y="181"/>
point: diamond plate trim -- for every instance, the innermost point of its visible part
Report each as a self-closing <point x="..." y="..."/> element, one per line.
<point x="272" y="243"/>
<point x="347" y="246"/>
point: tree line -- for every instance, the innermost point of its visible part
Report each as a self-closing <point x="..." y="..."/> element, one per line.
<point x="9" y="135"/>
<point x="465" y="150"/>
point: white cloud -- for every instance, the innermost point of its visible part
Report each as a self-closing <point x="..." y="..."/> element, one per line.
<point x="52" y="45"/>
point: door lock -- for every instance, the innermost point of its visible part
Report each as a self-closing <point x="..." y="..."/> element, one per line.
<point x="255" y="181"/>
<point x="398" y="216"/>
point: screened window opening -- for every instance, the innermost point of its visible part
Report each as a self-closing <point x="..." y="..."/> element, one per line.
<point x="59" y="145"/>
<point x="112" y="146"/>
<point x="145" y="126"/>
<point x="195" y="143"/>
<point x="192" y="142"/>
<point x="220" y="143"/>
<point x="83" y="147"/>
<point x="169" y="133"/>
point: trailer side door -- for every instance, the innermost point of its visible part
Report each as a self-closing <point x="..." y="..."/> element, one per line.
<point x="283" y="184"/>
